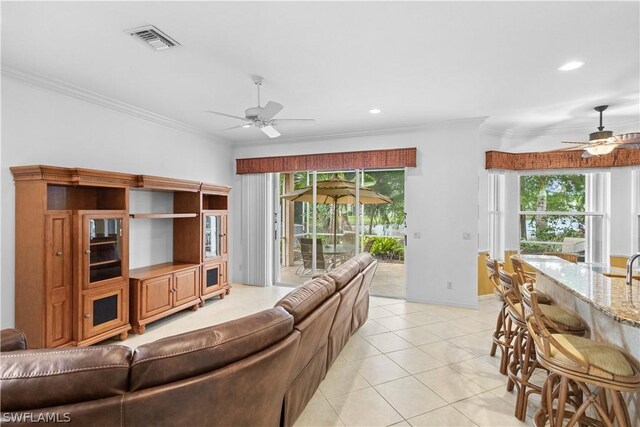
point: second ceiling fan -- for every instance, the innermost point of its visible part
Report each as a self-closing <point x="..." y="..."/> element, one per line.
<point x="603" y="142"/>
<point x="263" y="117"/>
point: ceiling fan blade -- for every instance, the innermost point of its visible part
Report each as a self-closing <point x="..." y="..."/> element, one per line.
<point x="277" y="122"/>
<point x="235" y="127"/>
<point x="270" y="131"/>
<point x="270" y="110"/>
<point x="586" y="154"/>
<point x="229" y="115"/>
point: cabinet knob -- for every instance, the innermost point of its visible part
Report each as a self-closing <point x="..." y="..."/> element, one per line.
<point x="59" y="253"/>
<point x="87" y="315"/>
<point x="88" y="251"/>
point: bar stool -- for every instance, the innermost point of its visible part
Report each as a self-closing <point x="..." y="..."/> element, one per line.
<point x="573" y="258"/>
<point x="583" y="373"/>
<point x="525" y="276"/>
<point x="502" y="336"/>
<point x="523" y="360"/>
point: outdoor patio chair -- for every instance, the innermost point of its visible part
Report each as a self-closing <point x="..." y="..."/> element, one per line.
<point x="306" y="250"/>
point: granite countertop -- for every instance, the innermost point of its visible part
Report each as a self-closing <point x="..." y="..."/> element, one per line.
<point x="610" y="295"/>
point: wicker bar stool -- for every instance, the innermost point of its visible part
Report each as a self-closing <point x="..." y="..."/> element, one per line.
<point x="583" y="373"/>
<point x="523" y="360"/>
<point x="502" y="336"/>
<point x="524" y="276"/>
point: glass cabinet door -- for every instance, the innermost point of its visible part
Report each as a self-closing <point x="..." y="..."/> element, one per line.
<point x="105" y="248"/>
<point x="212" y="235"/>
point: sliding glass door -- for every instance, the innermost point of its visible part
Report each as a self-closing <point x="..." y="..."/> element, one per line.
<point x="325" y="218"/>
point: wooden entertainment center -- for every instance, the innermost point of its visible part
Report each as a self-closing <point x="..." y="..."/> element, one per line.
<point x="73" y="286"/>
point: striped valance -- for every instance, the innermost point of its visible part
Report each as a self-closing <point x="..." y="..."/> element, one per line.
<point x="374" y="159"/>
<point x="560" y="160"/>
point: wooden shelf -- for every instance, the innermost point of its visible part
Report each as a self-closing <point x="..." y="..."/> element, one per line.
<point x="108" y="242"/>
<point x="142" y="273"/>
<point x="162" y="215"/>
<point x="111" y="261"/>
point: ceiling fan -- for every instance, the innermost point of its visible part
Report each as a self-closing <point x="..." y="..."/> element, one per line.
<point x="603" y="142"/>
<point x="262" y="117"/>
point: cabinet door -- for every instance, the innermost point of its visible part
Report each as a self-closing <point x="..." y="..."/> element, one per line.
<point x="223" y="232"/>
<point x="103" y="311"/>
<point x="104" y="250"/>
<point x="59" y="280"/>
<point x="211" y="278"/>
<point x="223" y="274"/>
<point x="185" y="287"/>
<point x="156" y="295"/>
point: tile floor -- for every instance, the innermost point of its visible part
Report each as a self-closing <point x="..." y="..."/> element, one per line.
<point x="410" y="364"/>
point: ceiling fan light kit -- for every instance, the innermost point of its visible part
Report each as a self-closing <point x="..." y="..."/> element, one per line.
<point x="603" y="142"/>
<point x="262" y="117"/>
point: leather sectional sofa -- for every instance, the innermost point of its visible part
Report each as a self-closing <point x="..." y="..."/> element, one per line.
<point x="259" y="370"/>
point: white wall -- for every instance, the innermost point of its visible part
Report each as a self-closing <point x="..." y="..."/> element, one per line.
<point x="441" y="203"/>
<point x="44" y="127"/>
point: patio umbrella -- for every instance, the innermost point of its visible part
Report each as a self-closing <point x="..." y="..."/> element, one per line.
<point x="336" y="191"/>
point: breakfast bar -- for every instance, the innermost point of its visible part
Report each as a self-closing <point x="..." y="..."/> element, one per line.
<point x="600" y="296"/>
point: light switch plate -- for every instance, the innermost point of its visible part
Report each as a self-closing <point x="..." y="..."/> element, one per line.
<point x="466" y="236"/>
<point x="417" y="235"/>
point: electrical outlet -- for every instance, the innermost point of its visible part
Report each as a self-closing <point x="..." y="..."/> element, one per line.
<point x="417" y="235"/>
<point x="466" y="236"/>
<point x="449" y="285"/>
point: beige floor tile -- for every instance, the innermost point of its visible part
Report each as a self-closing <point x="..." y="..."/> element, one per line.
<point x="449" y="384"/>
<point x="378" y="369"/>
<point x="421" y="318"/>
<point x="407" y="307"/>
<point x="342" y="379"/>
<point x="401" y="424"/>
<point x="371" y="327"/>
<point x="533" y="403"/>
<point x="395" y="323"/>
<point x="471" y="325"/>
<point x="473" y="344"/>
<point x="409" y="396"/>
<point x="364" y="408"/>
<point x="381" y="301"/>
<point x="449" y="313"/>
<point x="414" y="360"/>
<point x="317" y="397"/>
<point x="379" y="312"/>
<point x="446" y="352"/>
<point x="446" y="416"/>
<point x="488" y="410"/>
<point x="358" y="348"/>
<point x="419" y="336"/>
<point x="388" y="342"/>
<point x="318" y="414"/>
<point x="445" y="331"/>
<point x="481" y="373"/>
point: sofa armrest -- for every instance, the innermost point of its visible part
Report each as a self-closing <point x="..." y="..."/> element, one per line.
<point x="12" y="339"/>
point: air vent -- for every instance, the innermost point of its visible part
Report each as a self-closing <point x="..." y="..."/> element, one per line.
<point x="153" y="37"/>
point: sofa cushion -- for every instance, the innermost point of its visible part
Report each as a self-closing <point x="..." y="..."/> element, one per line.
<point x="197" y="352"/>
<point x="51" y="377"/>
<point x="363" y="260"/>
<point x="344" y="273"/>
<point x="12" y="339"/>
<point x="303" y="300"/>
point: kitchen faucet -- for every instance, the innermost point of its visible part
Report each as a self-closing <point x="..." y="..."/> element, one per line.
<point x="629" y="269"/>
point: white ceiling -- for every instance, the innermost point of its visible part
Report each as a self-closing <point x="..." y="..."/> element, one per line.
<point x="419" y="62"/>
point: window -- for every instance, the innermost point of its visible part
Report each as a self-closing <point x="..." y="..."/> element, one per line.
<point x="496" y="215"/>
<point x="565" y="213"/>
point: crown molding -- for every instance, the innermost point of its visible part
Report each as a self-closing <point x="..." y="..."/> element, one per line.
<point x="85" y="95"/>
<point x="532" y="132"/>
<point x="472" y="121"/>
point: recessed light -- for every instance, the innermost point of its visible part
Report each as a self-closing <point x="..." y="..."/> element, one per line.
<point x="573" y="65"/>
<point x="374" y="111"/>
<point x="246" y="126"/>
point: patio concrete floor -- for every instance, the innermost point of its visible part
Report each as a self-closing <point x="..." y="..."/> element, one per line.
<point x="387" y="282"/>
